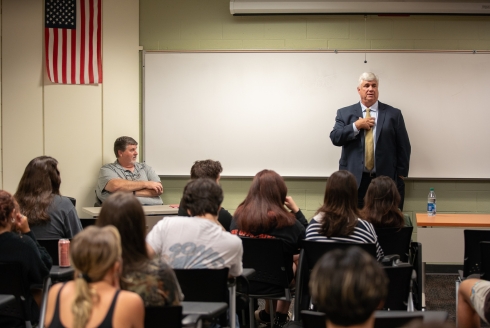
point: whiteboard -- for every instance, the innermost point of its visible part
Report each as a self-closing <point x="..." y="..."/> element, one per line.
<point x="275" y="110"/>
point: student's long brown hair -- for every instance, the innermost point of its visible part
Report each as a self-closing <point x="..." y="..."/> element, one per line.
<point x="124" y="211"/>
<point x="263" y="209"/>
<point x="381" y="204"/>
<point x="37" y="187"/>
<point x="339" y="207"/>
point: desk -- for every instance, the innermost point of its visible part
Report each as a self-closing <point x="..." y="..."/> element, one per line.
<point x="204" y="309"/>
<point x="5" y="300"/>
<point x="149" y="210"/>
<point x="153" y="213"/>
<point x="442" y="236"/>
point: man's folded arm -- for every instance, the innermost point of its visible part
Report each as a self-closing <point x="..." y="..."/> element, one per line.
<point x="128" y="186"/>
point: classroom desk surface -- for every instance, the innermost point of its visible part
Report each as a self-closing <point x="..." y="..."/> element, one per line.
<point x="6" y="300"/>
<point x="149" y="210"/>
<point x="206" y="309"/>
<point x="453" y="220"/>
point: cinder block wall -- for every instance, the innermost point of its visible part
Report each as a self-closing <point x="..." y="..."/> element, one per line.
<point x="208" y="25"/>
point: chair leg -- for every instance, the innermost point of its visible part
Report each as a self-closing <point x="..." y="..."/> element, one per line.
<point x="251" y="312"/>
<point x="457" y="290"/>
<point x="272" y="311"/>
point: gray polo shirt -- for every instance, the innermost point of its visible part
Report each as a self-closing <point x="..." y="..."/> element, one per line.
<point x="142" y="172"/>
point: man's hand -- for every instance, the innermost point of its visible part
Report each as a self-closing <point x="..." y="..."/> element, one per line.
<point x="365" y="123"/>
<point x="156" y="186"/>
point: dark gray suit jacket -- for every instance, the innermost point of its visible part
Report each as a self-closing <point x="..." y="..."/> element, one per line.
<point x="392" y="154"/>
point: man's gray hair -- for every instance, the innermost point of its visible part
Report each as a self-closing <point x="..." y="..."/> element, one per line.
<point x="368" y="76"/>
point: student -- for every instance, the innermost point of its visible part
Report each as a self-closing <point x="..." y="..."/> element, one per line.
<point x="212" y="170"/>
<point x="51" y="215"/>
<point x="262" y="215"/>
<point x="198" y="241"/>
<point x="18" y="244"/>
<point x="473" y="302"/>
<point x="93" y="298"/>
<point x="152" y="279"/>
<point x="348" y="286"/>
<point x="337" y="220"/>
<point x="381" y="204"/>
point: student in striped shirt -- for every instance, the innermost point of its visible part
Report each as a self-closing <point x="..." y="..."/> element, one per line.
<point x="337" y="220"/>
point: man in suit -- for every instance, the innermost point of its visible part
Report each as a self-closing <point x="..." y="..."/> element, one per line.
<point x="373" y="138"/>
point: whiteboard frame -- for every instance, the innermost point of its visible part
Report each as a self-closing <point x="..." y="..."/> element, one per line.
<point x="335" y="51"/>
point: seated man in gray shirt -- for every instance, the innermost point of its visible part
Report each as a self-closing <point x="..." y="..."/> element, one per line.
<point x="125" y="174"/>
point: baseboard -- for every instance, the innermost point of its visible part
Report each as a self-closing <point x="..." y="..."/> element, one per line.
<point x="449" y="269"/>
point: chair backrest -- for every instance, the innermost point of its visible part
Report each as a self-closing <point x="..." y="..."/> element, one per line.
<point x="86" y="222"/>
<point x="72" y="200"/>
<point x="266" y="257"/>
<point x="312" y="251"/>
<point x="398" y="287"/>
<point x="312" y="319"/>
<point x="472" y="239"/>
<point x="51" y="246"/>
<point x="485" y="260"/>
<point x="163" y="316"/>
<point x="11" y="283"/>
<point x="203" y="285"/>
<point x="395" y="241"/>
<point x="393" y="319"/>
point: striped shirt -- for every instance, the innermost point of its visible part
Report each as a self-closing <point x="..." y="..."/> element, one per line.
<point x="363" y="233"/>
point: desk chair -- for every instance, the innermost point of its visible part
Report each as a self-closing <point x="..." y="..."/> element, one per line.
<point x="11" y="283"/>
<point x="206" y="285"/>
<point x="398" y="241"/>
<point x="395" y="241"/>
<point x="51" y="246"/>
<point x="87" y="222"/>
<point x="399" y="291"/>
<point x="383" y="319"/>
<point x="73" y="201"/>
<point x="311" y="252"/>
<point x="472" y="257"/>
<point x="163" y="316"/>
<point x="266" y="257"/>
<point x="485" y="260"/>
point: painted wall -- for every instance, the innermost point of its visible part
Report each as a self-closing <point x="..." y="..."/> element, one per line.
<point x="208" y="25"/>
<point x="76" y="124"/>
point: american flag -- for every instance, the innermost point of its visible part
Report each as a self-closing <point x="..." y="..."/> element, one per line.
<point x="73" y="40"/>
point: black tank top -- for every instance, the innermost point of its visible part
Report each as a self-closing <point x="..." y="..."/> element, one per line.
<point x="106" y="323"/>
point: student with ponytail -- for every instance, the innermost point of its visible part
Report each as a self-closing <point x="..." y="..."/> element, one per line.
<point x="94" y="299"/>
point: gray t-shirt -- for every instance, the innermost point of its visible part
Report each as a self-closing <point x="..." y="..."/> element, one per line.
<point x="63" y="223"/>
<point x="141" y="172"/>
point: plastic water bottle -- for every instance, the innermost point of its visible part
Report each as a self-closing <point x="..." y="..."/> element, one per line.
<point x="431" y="203"/>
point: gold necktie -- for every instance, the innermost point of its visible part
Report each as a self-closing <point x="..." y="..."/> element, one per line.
<point x="369" y="145"/>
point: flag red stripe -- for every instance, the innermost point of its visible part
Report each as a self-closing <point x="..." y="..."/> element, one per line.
<point x="99" y="39"/>
<point x="82" y="41"/>
<point x="64" y="55"/>
<point x="46" y="50"/>
<point x="91" y="42"/>
<point x="55" y="56"/>
<point x="73" y="55"/>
